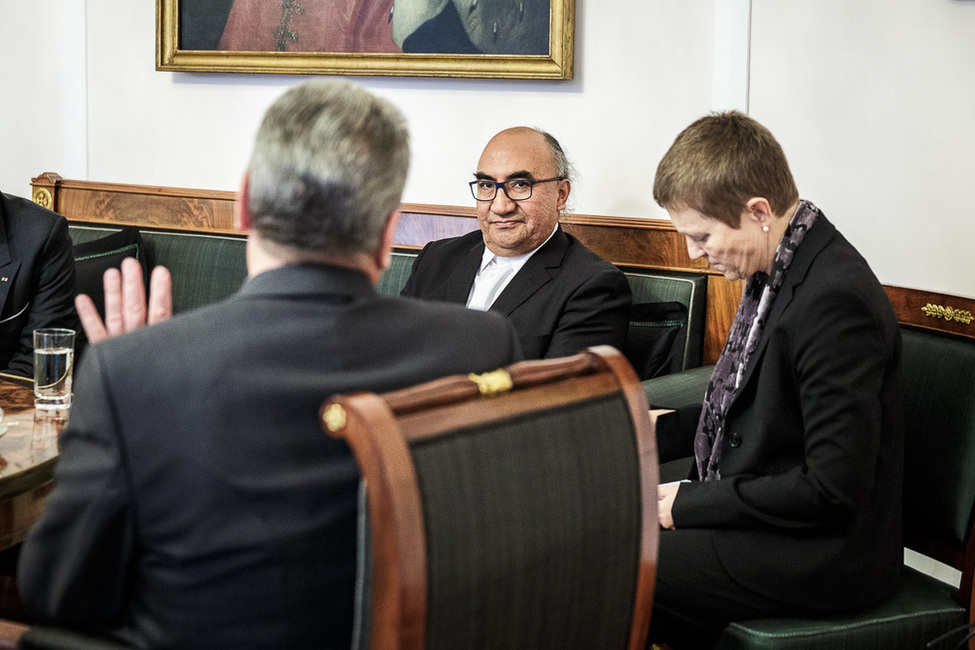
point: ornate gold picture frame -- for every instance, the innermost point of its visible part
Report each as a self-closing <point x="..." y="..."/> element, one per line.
<point x="464" y="38"/>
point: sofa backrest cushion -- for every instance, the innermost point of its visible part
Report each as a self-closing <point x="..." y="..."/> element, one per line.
<point x="97" y="250"/>
<point x="205" y="268"/>
<point x="654" y="319"/>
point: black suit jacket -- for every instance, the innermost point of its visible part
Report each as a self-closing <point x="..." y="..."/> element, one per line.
<point x="37" y="280"/>
<point x="808" y="510"/>
<point x="563" y="300"/>
<point x="198" y="503"/>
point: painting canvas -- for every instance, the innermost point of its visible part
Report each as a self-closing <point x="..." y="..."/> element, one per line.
<point x="462" y="38"/>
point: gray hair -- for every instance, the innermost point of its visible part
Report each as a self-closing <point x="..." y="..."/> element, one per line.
<point x="328" y="168"/>
<point x="564" y="166"/>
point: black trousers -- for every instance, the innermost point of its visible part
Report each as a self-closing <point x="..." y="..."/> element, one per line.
<point x="695" y="598"/>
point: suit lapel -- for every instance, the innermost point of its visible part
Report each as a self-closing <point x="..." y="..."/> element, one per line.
<point x="533" y="275"/>
<point x="459" y="281"/>
<point x="814" y="242"/>
<point x="7" y="269"/>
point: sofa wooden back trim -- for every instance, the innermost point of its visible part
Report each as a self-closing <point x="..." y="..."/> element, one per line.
<point x="625" y="241"/>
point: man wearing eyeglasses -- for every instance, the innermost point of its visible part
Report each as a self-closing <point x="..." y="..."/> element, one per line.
<point x="560" y="296"/>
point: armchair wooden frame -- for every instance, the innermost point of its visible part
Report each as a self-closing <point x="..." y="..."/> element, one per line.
<point x="380" y="429"/>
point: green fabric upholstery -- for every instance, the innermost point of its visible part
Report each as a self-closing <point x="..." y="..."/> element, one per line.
<point x="96" y="251"/>
<point x="679" y="389"/>
<point x="394" y="278"/>
<point x="204" y="268"/>
<point x="688" y="289"/>
<point x="939" y="399"/>
<point x="537" y="521"/>
<point x="40" y="637"/>
<point x="922" y="610"/>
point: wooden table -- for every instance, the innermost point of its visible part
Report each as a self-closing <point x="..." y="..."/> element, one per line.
<point x="28" y="453"/>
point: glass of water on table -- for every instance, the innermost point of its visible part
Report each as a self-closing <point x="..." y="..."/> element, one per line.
<point x="53" y="365"/>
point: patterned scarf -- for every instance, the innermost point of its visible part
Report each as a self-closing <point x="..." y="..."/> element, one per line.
<point x="746" y="330"/>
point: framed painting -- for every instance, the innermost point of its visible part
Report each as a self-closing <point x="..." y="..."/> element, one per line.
<point x="518" y="39"/>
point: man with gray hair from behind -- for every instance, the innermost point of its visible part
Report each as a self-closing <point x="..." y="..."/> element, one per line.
<point x="198" y="502"/>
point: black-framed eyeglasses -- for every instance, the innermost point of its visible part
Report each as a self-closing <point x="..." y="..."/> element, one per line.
<point x="516" y="189"/>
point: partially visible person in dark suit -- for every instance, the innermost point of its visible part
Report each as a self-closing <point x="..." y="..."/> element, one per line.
<point x="197" y="501"/>
<point x="795" y="509"/>
<point x="560" y="296"/>
<point x="37" y="280"/>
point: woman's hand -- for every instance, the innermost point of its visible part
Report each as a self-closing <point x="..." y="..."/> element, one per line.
<point x="666" y="493"/>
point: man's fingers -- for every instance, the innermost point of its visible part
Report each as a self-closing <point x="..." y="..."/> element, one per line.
<point x="133" y="295"/>
<point x="90" y="320"/>
<point x="112" y="281"/>
<point x="160" y="295"/>
<point x="125" y="301"/>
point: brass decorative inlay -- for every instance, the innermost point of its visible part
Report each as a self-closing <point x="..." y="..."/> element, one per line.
<point x="42" y="197"/>
<point x="334" y="417"/>
<point x="492" y="383"/>
<point x="948" y="313"/>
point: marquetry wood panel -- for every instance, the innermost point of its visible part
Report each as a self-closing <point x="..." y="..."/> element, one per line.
<point x="139" y="205"/>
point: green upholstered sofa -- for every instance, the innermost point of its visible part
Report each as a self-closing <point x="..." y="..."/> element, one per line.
<point x="205" y="267"/>
<point x="209" y="267"/>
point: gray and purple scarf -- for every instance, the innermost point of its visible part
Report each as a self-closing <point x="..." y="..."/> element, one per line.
<point x="746" y="330"/>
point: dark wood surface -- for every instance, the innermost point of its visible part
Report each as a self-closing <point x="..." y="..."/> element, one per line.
<point x="628" y="242"/>
<point x="28" y="454"/>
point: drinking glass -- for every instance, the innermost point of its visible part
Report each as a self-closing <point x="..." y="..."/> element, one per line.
<point x="53" y="363"/>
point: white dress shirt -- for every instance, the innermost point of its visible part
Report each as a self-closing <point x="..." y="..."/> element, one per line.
<point x="494" y="275"/>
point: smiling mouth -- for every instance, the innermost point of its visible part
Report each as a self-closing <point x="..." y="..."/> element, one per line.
<point x="510" y="223"/>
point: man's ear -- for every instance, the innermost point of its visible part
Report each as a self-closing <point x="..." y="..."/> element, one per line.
<point x="242" y="208"/>
<point x="759" y="211"/>
<point x="384" y="254"/>
<point x="565" y="187"/>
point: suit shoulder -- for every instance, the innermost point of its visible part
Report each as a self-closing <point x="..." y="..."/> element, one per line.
<point x="453" y="244"/>
<point x="21" y="209"/>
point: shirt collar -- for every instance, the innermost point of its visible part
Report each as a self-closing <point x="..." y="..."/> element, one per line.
<point x="487" y="257"/>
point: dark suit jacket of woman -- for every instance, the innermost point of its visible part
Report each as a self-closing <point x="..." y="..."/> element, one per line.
<point x="808" y="509"/>
<point x="37" y="280"/>
<point x="563" y="300"/>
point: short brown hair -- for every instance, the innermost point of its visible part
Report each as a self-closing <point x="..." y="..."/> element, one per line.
<point x="720" y="162"/>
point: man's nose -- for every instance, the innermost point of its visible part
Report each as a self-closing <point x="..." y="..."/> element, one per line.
<point x="501" y="203"/>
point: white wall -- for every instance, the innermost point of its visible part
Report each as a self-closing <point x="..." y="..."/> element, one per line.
<point x="872" y="99"/>
<point x="874" y="103"/>
<point x="31" y="93"/>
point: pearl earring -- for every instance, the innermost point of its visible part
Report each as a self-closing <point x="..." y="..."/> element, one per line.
<point x="765" y="228"/>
